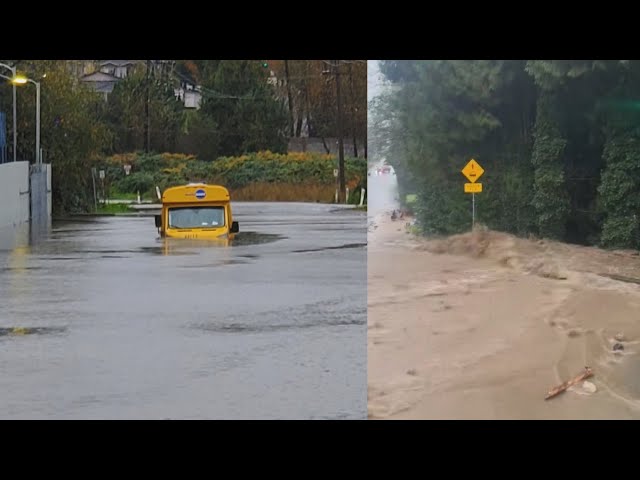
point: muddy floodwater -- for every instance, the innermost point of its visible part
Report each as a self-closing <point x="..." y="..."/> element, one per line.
<point x="482" y="325"/>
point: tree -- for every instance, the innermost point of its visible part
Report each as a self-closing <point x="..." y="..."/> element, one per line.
<point x="239" y="101"/>
<point x="448" y="113"/>
<point x="619" y="189"/>
<point x="550" y="199"/>
<point x="558" y="135"/>
<point x="127" y="108"/>
<point x="308" y="90"/>
<point x="72" y="133"/>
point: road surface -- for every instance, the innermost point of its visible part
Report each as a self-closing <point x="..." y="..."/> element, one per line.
<point x="102" y="320"/>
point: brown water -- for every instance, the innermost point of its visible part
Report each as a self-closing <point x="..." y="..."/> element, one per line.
<point x="482" y="325"/>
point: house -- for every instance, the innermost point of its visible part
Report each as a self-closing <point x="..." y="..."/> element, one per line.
<point x="118" y="68"/>
<point x="110" y="72"/>
<point x="190" y="95"/>
<point x="101" y="82"/>
<point x="188" y="92"/>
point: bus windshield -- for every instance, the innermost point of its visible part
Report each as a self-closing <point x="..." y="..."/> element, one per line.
<point x="196" y="217"/>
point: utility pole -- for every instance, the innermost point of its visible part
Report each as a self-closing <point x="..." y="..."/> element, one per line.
<point x="147" y="129"/>
<point x="342" y="198"/>
<point x="290" y="102"/>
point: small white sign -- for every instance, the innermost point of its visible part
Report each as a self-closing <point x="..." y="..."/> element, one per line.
<point x="101" y="173"/>
<point x="335" y="172"/>
<point x="127" y="169"/>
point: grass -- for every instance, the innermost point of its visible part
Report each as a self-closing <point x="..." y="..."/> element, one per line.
<point x="113" y="208"/>
<point x="125" y="196"/>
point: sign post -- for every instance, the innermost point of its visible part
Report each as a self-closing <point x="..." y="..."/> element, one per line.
<point x="95" y="195"/>
<point x="104" y="198"/>
<point x="473" y="171"/>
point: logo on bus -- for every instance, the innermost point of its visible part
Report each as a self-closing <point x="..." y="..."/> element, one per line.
<point x="200" y="194"/>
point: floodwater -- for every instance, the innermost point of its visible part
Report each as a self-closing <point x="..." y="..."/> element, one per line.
<point x="102" y="319"/>
<point x="482" y="325"/>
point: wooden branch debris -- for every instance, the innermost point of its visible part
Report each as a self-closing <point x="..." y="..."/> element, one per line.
<point x="588" y="372"/>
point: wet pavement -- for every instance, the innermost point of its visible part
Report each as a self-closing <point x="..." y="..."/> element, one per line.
<point x="102" y="319"/>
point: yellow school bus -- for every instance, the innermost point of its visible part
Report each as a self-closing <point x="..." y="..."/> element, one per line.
<point x="197" y="211"/>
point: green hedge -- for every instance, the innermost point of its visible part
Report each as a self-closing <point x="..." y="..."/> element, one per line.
<point x="165" y="170"/>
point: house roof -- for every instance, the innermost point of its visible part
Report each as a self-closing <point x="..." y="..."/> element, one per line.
<point x="118" y="63"/>
<point x="99" y="77"/>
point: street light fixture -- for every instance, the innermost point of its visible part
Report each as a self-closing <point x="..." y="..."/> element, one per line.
<point x="15" y="122"/>
<point x="22" y="80"/>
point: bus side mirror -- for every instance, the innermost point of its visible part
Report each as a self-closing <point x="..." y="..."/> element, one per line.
<point x="158" y="221"/>
<point x="235" y="228"/>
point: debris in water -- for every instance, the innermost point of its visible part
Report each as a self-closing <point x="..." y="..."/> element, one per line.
<point x="619" y="337"/>
<point x="618" y="346"/>
<point x="588" y="387"/>
<point x="561" y="388"/>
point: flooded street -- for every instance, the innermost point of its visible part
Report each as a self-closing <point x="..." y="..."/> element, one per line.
<point x="105" y="320"/>
<point x="482" y="325"/>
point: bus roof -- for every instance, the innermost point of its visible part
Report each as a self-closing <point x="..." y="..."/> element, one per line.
<point x="195" y="192"/>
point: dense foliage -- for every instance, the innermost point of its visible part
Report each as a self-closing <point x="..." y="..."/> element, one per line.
<point x="247" y="106"/>
<point x="558" y="140"/>
<point x="165" y="170"/>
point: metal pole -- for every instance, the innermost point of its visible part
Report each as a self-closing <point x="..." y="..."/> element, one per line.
<point x="15" y="120"/>
<point x="95" y="195"/>
<point x="38" y="159"/>
<point x="473" y="210"/>
<point x="340" y="139"/>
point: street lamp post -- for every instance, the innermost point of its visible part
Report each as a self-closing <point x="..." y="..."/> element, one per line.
<point x="20" y="80"/>
<point x="15" y="122"/>
<point x="38" y="154"/>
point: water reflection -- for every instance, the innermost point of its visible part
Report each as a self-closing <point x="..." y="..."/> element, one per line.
<point x="18" y="242"/>
<point x="12" y="237"/>
<point x="28" y="233"/>
<point x="16" y="266"/>
<point x="180" y="246"/>
<point x="39" y="230"/>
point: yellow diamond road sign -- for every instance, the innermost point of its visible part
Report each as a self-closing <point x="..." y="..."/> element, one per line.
<point x="472" y="188"/>
<point x="472" y="170"/>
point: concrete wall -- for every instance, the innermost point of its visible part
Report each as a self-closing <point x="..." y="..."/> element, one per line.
<point x="49" y="200"/>
<point x="25" y="203"/>
<point x="40" y="198"/>
<point x="14" y="194"/>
